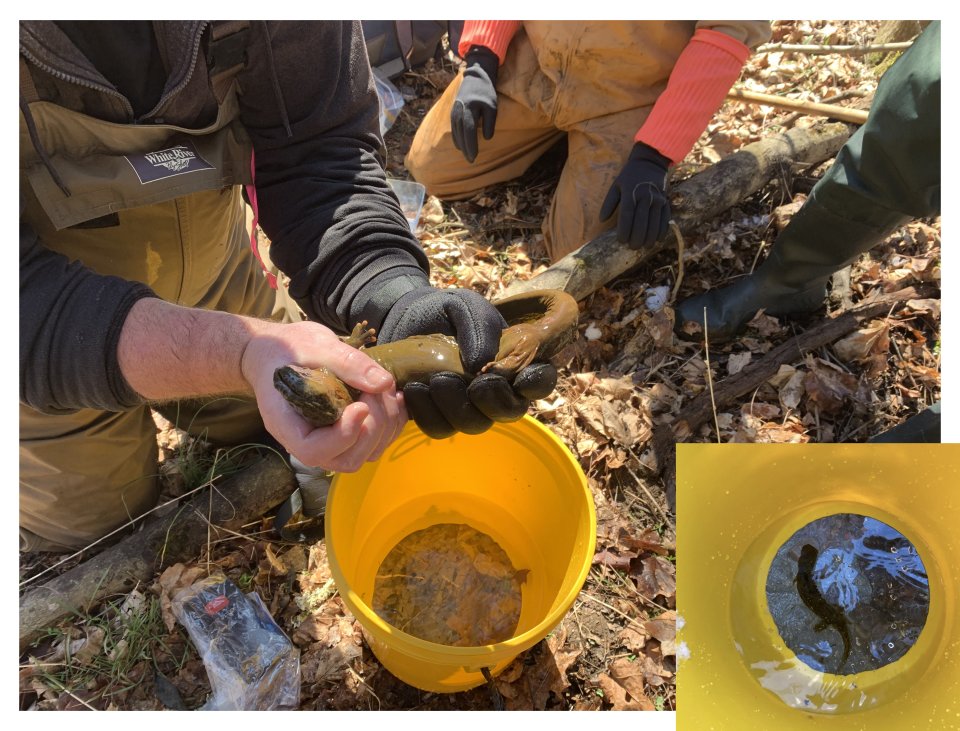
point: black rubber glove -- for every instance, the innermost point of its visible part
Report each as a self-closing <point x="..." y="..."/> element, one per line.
<point x="639" y="191"/>
<point x="476" y="99"/>
<point x="450" y="403"/>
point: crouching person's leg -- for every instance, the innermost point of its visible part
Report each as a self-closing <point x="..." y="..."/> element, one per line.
<point x="82" y="475"/>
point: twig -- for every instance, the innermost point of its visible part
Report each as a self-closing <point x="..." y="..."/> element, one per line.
<point x="614" y="609"/>
<point x="666" y="518"/>
<point x="680" y="249"/>
<point x="844" y="114"/>
<point x="791" y="118"/>
<point x="122" y="527"/>
<point x="706" y="347"/>
<point x="825" y="49"/>
<point x="63" y="688"/>
<point x="366" y="685"/>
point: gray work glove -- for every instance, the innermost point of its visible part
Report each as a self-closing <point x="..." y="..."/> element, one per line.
<point x="639" y="191"/>
<point x="450" y="403"/>
<point x="476" y="99"/>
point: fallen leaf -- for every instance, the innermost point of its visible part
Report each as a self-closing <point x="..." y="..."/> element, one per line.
<point x="613" y="560"/>
<point x="737" y="361"/>
<point x="616" y="695"/>
<point x="663" y="627"/>
<point x="791" y="392"/>
<point x="547" y="675"/>
<point x="827" y="388"/>
<point x="656" y="577"/>
<point x="867" y="341"/>
<point x="633" y="637"/>
<point x="172" y="580"/>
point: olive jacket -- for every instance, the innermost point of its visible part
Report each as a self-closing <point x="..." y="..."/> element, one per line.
<point x="308" y="107"/>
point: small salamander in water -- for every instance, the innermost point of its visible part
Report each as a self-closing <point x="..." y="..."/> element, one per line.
<point x="830" y="615"/>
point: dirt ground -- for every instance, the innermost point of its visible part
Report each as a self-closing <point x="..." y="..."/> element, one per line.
<point x="625" y="375"/>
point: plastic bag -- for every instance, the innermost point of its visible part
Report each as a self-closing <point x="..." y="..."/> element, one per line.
<point x="391" y="101"/>
<point x="251" y="664"/>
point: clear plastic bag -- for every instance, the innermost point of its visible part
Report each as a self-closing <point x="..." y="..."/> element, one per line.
<point x="391" y="101"/>
<point x="251" y="664"/>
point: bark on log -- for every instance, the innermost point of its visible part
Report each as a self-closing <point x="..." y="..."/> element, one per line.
<point x="700" y="410"/>
<point x="695" y="200"/>
<point x="162" y="541"/>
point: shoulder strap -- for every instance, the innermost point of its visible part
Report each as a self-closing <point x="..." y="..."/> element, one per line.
<point x="226" y="54"/>
<point x="28" y="90"/>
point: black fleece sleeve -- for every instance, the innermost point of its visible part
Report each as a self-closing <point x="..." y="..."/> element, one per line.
<point x="309" y="104"/>
<point x="70" y="322"/>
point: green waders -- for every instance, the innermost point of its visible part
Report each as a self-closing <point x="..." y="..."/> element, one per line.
<point x="887" y="174"/>
<point x="84" y="474"/>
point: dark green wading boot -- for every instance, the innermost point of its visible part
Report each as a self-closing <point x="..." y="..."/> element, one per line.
<point x="793" y="278"/>
<point x="887" y="174"/>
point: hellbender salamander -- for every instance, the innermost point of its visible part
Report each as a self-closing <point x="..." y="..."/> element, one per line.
<point x="539" y="324"/>
<point x="830" y="614"/>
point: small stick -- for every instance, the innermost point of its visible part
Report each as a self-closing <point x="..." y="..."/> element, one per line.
<point x="706" y="347"/>
<point x="844" y="114"/>
<point x="680" y="248"/>
<point x="825" y="49"/>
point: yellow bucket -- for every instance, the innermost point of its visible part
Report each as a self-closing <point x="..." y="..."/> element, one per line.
<point x="737" y="505"/>
<point x="517" y="483"/>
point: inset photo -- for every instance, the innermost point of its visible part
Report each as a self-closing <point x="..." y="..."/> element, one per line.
<point x="817" y="581"/>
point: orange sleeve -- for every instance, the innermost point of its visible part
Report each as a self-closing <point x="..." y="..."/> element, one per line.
<point x="698" y="84"/>
<point x="493" y="34"/>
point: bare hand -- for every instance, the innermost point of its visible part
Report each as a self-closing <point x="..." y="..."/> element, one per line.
<point x="365" y="428"/>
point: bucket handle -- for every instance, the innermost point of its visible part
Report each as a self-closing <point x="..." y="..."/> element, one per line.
<point x="495" y="696"/>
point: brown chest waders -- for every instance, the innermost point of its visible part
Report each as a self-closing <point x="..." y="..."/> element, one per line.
<point x="157" y="204"/>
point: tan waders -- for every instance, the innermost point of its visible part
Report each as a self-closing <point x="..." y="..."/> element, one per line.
<point x="596" y="83"/>
<point x="181" y="229"/>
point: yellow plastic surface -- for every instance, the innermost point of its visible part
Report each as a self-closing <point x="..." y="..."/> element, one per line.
<point x="736" y="505"/>
<point x="517" y="483"/>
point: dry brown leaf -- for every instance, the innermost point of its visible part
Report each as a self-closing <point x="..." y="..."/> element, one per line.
<point x="172" y="580"/>
<point x="616" y="695"/>
<point x="663" y="627"/>
<point x="865" y="342"/>
<point x="760" y="410"/>
<point x="630" y="675"/>
<point x="648" y="540"/>
<point x="931" y="306"/>
<point x="737" y="362"/>
<point x="828" y="388"/>
<point x="765" y="325"/>
<point x="655" y="576"/>
<point x="613" y="560"/>
<point x="633" y="638"/>
<point x="660" y="326"/>
<point x="791" y="392"/>
<point x="547" y="675"/>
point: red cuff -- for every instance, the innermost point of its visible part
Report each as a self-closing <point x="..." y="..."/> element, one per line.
<point x="699" y="82"/>
<point x="493" y="34"/>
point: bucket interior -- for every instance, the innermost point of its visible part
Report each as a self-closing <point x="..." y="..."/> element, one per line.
<point x="516" y="483"/>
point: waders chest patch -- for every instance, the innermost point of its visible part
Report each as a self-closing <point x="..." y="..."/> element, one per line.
<point x="177" y="160"/>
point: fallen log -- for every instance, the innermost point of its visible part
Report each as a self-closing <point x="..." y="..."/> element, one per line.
<point x="695" y="200"/>
<point x="163" y="541"/>
<point x="700" y="410"/>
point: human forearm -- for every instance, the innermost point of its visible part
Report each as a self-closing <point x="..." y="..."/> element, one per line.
<point x="167" y="352"/>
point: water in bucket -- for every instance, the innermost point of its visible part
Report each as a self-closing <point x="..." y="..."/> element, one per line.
<point x="450" y="584"/>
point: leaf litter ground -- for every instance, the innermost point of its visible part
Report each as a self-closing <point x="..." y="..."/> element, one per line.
<point x="625" y="375"/>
